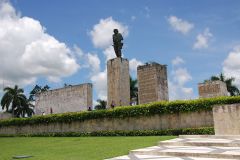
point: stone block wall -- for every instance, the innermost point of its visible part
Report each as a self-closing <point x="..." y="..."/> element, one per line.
<point x="155" y="122"/>
<point x="152" y="83"/>
<point x="212" y="89"/>
<point x="5" y="115"/>
<point x="68" y="99"/>
<point x="227" y="119"/>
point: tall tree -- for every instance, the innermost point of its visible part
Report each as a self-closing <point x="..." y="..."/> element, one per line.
<point x="12" y="99"/>
<point x="133" y="89"/>
<point x="26" y="109"/>
<point x="232" y="89"/>
<point x="102" y="104"/>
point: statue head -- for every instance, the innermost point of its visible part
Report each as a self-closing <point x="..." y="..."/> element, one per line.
<point x="115" y="31"/>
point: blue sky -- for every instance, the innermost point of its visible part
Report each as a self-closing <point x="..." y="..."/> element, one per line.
<point x="57" y="42"/>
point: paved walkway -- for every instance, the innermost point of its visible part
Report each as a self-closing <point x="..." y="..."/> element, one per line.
<point x="190" y="148"/>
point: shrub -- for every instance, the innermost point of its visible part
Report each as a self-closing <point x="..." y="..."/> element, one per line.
<point x="169" y="132"/>
<point x="159" y="108"/>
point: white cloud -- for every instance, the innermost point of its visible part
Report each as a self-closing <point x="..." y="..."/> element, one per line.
<point x="177" y="61"/>
<point x="202" y="40"/>
<point x="78" y="51"/>
<point x="179" y="92"/>
<point x="99" y="81"/>
<point x="101" y="33"/>
<point x="7" y="11"/>
<point x="27" y="51"/>
<point x="88" y="60"/>
<point x="231" y="65"/>
<point x="179" y="78"/>
<point x="109" y="53"/>
<point x="180" y="25"/>
<point x="94" y="62"/>
<point x="133" y="63"/>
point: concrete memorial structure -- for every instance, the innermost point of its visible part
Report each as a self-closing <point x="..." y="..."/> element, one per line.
<point x="212" y="89"/>
<point x="152" y="83"/>
<point x="224" y="145"/>
<point x="227" y="119"/>
<point x="68" y="99"/>
<point x="118" y="82"/>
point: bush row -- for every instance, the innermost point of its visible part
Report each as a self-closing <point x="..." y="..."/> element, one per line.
<point x="169" y="132"/>
<point x="178" y="106"/>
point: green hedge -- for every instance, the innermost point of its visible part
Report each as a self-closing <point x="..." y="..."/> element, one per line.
<point x="159" y="108"/>
<point x="169" y="132"/>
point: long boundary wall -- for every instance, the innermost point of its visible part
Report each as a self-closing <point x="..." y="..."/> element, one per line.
<point x="156" y="122"/>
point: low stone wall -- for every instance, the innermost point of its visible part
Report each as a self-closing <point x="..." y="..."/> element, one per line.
<point x="5" y="115"/>
<point x="227" y="119"/>
<point x="156" y="122"/>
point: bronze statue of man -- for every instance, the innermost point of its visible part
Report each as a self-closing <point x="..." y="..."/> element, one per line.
<point x="117" y="43"/>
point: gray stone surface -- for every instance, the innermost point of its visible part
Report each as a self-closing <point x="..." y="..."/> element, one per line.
<point x="4" y="115"/>
<point x="227" y="119"/>
<point x="118" y="82"/>
<point x="68" y="99"/>
<point x="152" y="83"/>
<point x="157" y="122"/>
<point x="189" y="148"/>
<point x="212" y="89"/>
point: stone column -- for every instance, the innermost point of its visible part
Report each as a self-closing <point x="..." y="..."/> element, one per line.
<point x="152" y="83"/>
<point x="118" y="82"/>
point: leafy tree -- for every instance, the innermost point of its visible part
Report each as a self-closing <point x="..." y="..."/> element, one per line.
<point x="133" y="89"/>
<point x="13" y="99"/>
<point x="232" y="89"/>
<point x="102" y="104"/>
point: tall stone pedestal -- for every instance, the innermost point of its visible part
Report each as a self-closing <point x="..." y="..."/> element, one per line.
<point x="152" y="83"/>
<point x="227" y="119"/>
<point x="118" y="82"/>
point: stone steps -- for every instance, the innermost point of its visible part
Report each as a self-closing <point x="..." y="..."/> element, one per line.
<point x="191" y="151"/>
<point x="154" y="157"/>
<point x="220" y="142"/>
<point x="190" y="148"/>
<point x="211" y="136"/>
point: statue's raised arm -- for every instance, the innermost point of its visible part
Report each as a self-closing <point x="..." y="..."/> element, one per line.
<point x="117" y="43"/>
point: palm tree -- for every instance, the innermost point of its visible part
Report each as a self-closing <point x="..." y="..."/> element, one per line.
<point x="133" y="89"/>
<point x="26" y="109"/>
<point x="232" y="89"/>
<point x="12" y="99"/>
<point x="102" y="104"/>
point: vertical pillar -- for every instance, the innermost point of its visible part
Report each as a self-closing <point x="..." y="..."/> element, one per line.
<point x="152" y="83"/>
<point x="118" y="82"/>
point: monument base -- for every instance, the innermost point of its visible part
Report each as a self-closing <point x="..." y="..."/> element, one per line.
<point x="118" y="82"/>
<point x="227" y="119"/>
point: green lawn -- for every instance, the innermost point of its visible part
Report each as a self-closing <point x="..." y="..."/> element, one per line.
<point x="73" y="148"/>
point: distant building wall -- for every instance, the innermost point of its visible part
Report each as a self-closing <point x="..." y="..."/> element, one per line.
<point x="212" y="89"/>
<point x="68" y="99"/>
<point x="152" y="83"/>
<point x="5" y="115"/>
